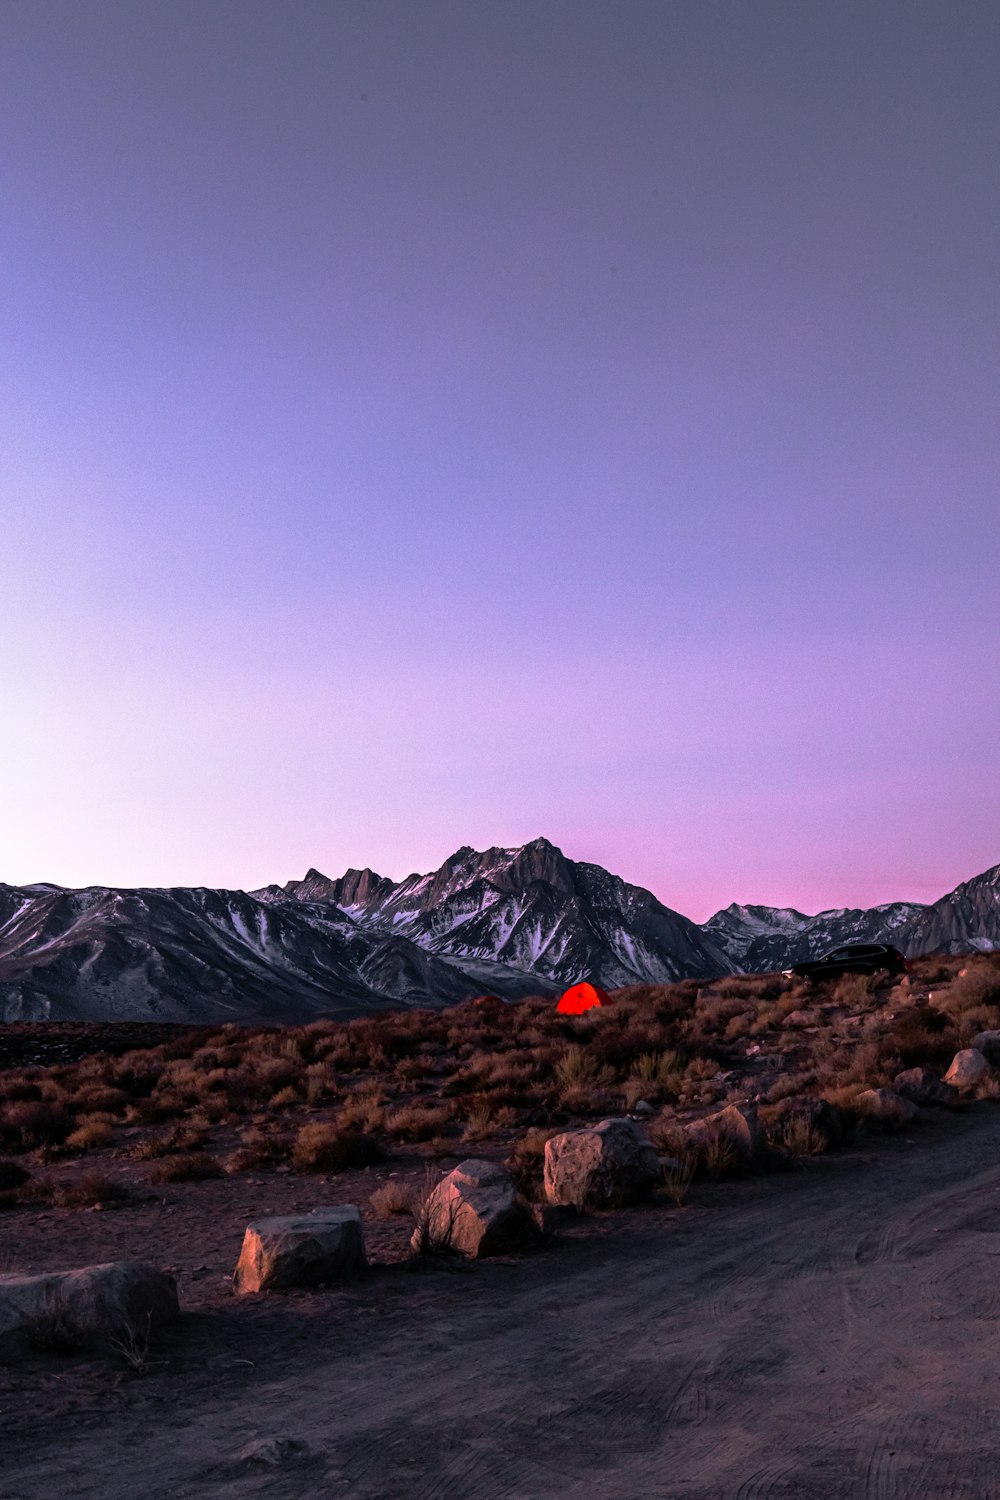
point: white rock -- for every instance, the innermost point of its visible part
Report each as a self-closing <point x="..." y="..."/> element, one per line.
<point x="602" y="1166"/>
<point x="301" y="1250"/>
<point x="477" y="1211"/>
<point x="968" y="1068"/>
<point x="118" y="1298"/>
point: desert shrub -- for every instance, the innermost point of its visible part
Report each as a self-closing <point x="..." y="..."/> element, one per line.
<point x="12" y="1175"/>
<point x="87" y="1190"/>
<point x="181" y="1139"/>
<point x="790" y="1085"/>
<point x="412" y="1069"/>
<point x="362" y="1110"/>
<point x="391" y="1198"/>
<point x="15" y="1089"/>
<point x="526" y="1162"/>
<point x="257" y="1150"/>
<point x="413" y="1123"/>
<point x="185" y="1166"/>
<point x="91" y="1135"/>
<point x="330" y="1148"/>
<point x="320" y="1082"/>
<point x="275" y="1075"/>
<point x="677" y="1176"/>
<point x="29" y="1124"/>
<point x="868" y="1064"/>
<point x="714" y="1012"/>
<point x="852" y="990"/>
<point x="799" y="1136"/>
<point x="577" y="1072"/>
<point x="287" y="1098"/>
<point x="655" y="1074"/>
<point x="751" y="987"/>
<point x="923" y="1037"/>
<point x="159" y="1106"/>
<point x="716" y="1154"/>
<point x="97" y="1097"/>
<point x="978" y="989"/>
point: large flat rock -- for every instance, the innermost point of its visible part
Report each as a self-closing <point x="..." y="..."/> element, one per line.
<point x="61" y="1309"/>
<point x="301" y="1250"/>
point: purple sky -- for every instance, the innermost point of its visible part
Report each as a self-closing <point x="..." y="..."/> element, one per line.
<point x="437" y="423"/>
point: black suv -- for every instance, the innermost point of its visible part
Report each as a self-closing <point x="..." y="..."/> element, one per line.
<point x="853" y="958"/>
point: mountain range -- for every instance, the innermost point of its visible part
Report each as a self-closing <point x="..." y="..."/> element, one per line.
<point x="508" y="921"/>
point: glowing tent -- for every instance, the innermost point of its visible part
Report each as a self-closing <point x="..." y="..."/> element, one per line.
<point x="581" y="997"/>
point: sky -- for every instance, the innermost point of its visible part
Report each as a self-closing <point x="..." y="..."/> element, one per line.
<point x="452" y="423"/>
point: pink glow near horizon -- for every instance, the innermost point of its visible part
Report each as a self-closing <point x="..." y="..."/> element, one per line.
<point x="429" y="426"/>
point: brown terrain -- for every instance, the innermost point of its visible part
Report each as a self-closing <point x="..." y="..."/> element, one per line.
<point x="817" y="1322"/>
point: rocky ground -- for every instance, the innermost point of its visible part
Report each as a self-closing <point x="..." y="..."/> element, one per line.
<point x="812" y="1323"/>
<point x="826" y="1334"/>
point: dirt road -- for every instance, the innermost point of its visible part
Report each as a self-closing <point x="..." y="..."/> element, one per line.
<point x="825" y="1335"/>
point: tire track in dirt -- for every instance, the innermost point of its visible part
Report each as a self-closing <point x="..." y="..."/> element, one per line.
<point x="781" y="1353"/>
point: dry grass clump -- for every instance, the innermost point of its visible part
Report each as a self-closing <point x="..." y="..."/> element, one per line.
<point x="331" y="1148"/>
<point x="88" y="1190"/>
<point x="185" y="1166"/>
<point x="526" y="1162"/>
<point x="257" y="1150"/>
<point x="972" y="1000"/>
<point x="678" y="1176"/>
<point x="852" y="990"/>
<point x="181" y="1139"/>
<point x="363" y="1111"/>
<point x="654" y="1076"/>
<point x="923" y="1036"/>
<point x="577" y="1072"/>
<point x="416" y="1123"/>
<point x="391" y="1198"/>
<point x="90" y="1135"/>
<point x="28" y="1124"/>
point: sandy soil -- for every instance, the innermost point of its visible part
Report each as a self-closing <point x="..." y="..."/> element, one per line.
<point x="833" y="1332"/>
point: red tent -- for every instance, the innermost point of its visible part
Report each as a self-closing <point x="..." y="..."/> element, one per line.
<point x="581" y="997"/>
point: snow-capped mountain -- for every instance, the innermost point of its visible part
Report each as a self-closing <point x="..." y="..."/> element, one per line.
<point x="529" y="910"/>
<point x="968" y="918"/>
<point x="760" y="939"/>
<point x="200" y="955"/>
<point x="512" y="921"/>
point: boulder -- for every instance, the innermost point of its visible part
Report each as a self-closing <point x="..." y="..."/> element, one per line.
<point x="477" y="1211"/>
<point x="924" y="1088"/>
<point x="642" y="1109"/>
<point x="968" y="1068"/>
<point x="63" y="1309"/>
<point x="601" y="1166"/>
<point x="301" y="1250"/>
<point x="739" y="1125"/>
<point x="988" y="1043"/>
<point x="885" y="1105"/>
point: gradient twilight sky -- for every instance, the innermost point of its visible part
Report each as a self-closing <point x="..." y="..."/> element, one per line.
<point x="441" y="422"/>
